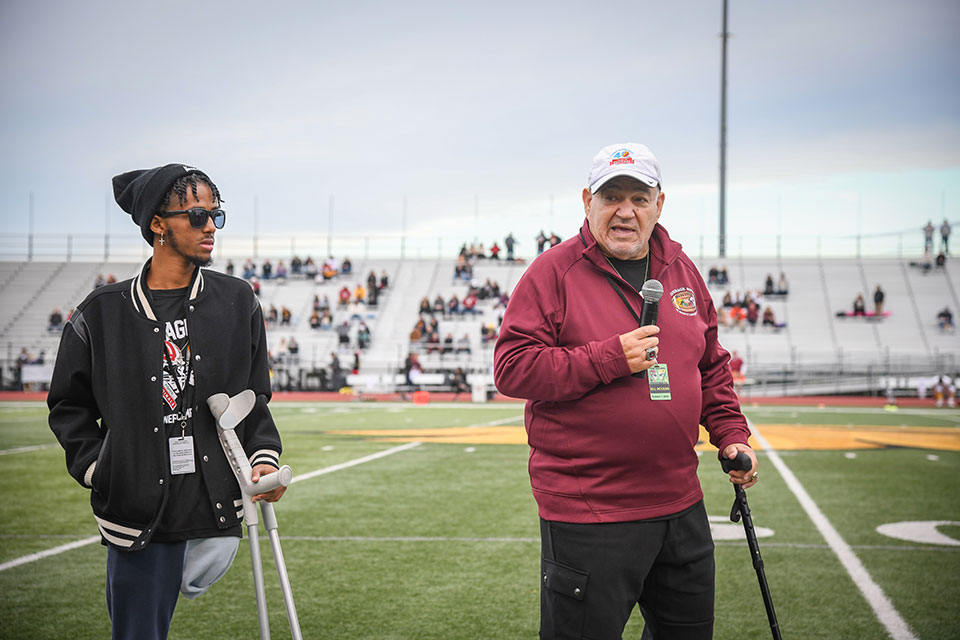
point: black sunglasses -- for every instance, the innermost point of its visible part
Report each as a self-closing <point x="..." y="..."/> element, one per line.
<point x="198" y="217"/>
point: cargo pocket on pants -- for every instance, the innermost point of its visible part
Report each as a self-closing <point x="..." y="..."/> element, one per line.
<point x="562" y="610"/>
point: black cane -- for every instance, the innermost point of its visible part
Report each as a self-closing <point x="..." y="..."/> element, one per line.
<point x="740" y="508"/>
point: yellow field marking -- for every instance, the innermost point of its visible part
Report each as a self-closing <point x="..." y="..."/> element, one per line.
<point x="782" y="437"/>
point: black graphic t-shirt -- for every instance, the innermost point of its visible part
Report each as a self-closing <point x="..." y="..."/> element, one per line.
<point x="188" y="514"/>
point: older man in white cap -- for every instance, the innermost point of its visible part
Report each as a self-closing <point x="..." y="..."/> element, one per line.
<point x="612" y="460"/>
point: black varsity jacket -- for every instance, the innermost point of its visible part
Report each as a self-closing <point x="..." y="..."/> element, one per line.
<point x="105" y="399"/>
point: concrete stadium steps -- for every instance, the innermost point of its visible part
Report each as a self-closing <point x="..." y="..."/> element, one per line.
<point x="932" y="292"/>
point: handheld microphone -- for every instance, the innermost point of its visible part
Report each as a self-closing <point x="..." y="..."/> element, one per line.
<point x="651" y="292"/>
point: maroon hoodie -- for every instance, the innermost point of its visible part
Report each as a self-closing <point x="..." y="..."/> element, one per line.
<point x="600" y="449"/>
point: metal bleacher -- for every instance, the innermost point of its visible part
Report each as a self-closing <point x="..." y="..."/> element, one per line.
<point x="814" y="338"/>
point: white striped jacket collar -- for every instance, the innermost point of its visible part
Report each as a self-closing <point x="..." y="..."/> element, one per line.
<point x="140" y="295"/>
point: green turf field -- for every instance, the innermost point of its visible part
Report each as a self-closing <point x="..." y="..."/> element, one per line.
<point x="440" y="539"/>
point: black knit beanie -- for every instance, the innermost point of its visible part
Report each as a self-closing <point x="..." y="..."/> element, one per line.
<point x="140" y="192"/>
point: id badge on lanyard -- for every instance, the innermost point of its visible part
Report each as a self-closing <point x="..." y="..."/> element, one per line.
<point x="182" y="458"/>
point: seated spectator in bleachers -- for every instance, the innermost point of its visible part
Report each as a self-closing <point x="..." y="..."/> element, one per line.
<point x="769" y="320"/>
<point x="315" y="319"/>
<point x="488" y="333"/>
<point x="463" y="344"/>
<point x="324" y="304"/>
<point x="554" y="239"/>
<point x="316" y="303"/>
<point x="310" y="268"/>
<point x="768" y="286"/>
<point x="55" y="322"/>
<point x="447" y="343"/>
<point x="363" y="335"/>
<point x="99" y="282"/>
<point x="463" y="270"/>
<point x="480" y="252"/>
<point x="249" y="269"/>
<point x="433" y="324"/>
<point x="425" y="308"/>
<point x="293" y="347"/>
<point x="255" y="285"/>
<point x="373" y="297"/>
<point x="439" y="306"/>
<point x="111" y="279"/>
<point x="502" y="301"/>
<point x="753" y="314"/>
<point x="343" y="334"/>
<point x="266" y="269"/>
<point x="738" y="316"/>
<point x="326" y="319"/>
<point x="229" y="268"/>
<point x="782" y="288"/>
<point x="356" y="311"/>
<point x="433" y="341"/>
<point x="273" y="315"/>
<point x="727" y="300"/>
<point x="346" y="266"/>
<point x="495" y="251"/>
<point x="723" y="279"/>
<point x="859" y="306"/>
<point x="459" y="382"/>
<point x="723" y="316"/>
<point x="384" y="280"/>
<point x="713" y="275"/>
<point x="941" y="260"/>
<point x="281" y="271"/>
<point x="360" y="294"/>
<point x="470" y="303"/>
<point x="285" y="315"/>
<point x="371" y="281"/>
<point x="296" y="266"/>
<point x="945" y="319"/>
<point x="356" y="363"/>
<point x="344" y="297"/>
<point x="419" y="331"/>
<point x="453" y="306"/>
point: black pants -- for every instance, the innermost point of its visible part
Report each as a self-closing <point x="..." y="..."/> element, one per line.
<point x="592" y="576"/>
<point x="142" y="589"/>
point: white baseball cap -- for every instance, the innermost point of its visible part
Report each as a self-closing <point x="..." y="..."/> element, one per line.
<point x="624" y="159"/>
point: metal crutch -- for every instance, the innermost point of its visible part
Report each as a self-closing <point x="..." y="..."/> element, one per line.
<point x="229" y="412"/>
<point x="740" y="508"/>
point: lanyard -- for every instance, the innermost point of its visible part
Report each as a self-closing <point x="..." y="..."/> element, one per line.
<point x="613" y="283"/>
<point x="182" y="400"/>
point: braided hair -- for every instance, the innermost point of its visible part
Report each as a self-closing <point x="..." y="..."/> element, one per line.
<point x="190" y="180"/>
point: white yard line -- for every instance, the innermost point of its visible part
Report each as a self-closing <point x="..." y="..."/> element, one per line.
<point x="353" y="463"/>
<point x="306" y="476"/>
<point x="35" y="447"/>
<point x="40" y="555"/>
<point x="882" y="607"/>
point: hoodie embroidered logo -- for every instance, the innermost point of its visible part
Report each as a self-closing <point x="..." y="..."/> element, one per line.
<point x="684" y="301"/>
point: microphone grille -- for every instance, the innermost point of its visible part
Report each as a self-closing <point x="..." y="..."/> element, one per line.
<point x="652" y="290"/>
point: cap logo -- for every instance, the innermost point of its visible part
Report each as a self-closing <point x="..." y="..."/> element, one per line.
<point x="684" y="301"/>
<point x="621" y="156"/>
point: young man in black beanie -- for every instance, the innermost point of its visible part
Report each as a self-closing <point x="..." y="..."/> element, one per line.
<point x="137" y="361"/>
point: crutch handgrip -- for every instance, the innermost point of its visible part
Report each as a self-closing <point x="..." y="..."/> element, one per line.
<point x="269" y="481"/>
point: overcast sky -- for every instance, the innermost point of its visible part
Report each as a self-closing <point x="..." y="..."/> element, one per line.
<point x="843" y="115"/>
